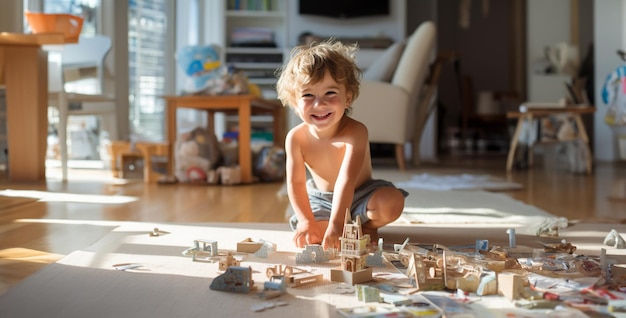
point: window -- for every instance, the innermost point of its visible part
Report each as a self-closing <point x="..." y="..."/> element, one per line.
<point x="147" y="36"/>
<point x="149" y="54"/>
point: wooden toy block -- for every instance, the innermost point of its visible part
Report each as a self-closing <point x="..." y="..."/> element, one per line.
<point x="248" y="246"/>
<point x="352" y="278"/>
<point x="511" y="284"/>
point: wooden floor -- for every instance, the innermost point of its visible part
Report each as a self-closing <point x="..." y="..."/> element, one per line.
<point x="75" y="214"/>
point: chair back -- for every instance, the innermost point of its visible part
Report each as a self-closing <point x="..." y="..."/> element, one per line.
<point x="413" y="68"/>
<point x="55" y="72"/>
<point x="90" y="51"/>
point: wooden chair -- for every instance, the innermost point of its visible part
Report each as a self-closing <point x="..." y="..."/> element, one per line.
<point x="86" y="55"/>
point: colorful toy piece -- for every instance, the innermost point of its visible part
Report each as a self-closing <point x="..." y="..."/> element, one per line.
<point x="236" y="279"/>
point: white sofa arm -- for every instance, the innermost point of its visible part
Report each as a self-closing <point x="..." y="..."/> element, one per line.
<point x="382" y="107"/>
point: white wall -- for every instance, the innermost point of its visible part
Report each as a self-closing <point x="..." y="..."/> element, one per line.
<point x="11" y="17"/>
<point x="392" y="26"/>
<point x="548" y="23"/>
<point x="610" y="35"/>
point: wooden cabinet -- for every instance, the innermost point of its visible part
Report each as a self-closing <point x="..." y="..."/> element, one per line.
<point x="3" y="125"/>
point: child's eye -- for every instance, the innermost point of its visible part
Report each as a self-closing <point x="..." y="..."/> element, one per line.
<point x="307" y="95"/>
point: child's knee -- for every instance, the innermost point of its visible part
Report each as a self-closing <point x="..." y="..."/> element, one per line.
<point x="396" y="207"/>
<point x="390" y="204"/>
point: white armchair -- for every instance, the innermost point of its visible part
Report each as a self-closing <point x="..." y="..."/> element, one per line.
<point x="395" y="112"/>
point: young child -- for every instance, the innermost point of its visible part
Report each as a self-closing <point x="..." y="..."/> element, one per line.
<point x="319" y="83"/>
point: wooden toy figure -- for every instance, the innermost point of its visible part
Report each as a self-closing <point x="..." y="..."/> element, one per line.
<point x="353" y="254"/>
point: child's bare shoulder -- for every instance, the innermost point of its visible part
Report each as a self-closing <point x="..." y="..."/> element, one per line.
<point x="355" y="128"/>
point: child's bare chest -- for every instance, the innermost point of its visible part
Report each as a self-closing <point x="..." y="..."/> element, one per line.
<point x="326" y="157"/>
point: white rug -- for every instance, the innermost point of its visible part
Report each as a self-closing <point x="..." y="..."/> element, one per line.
<point x="458" y="182"/>
<point x="475" y="207"/>
<point x="427" y="206"/>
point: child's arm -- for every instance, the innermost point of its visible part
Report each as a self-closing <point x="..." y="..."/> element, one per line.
<point x="356" y="145"/>
<point x="307" y="231"/>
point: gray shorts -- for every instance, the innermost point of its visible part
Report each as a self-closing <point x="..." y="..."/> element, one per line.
<point x="321" y="201"/>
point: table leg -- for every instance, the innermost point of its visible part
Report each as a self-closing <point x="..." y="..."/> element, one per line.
<point x="513" y="145"/>
<point x="171" y="135"/>
<point x="582" y="131"/>
<point x="531" y="124"/>
<point x="245" y="156"/>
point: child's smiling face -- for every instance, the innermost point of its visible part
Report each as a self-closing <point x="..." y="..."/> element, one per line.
<point x="322" y="104"/>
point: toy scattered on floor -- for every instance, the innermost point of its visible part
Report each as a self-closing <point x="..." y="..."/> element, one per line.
<point x="202" y="251"/>
<point x="274" y="287"/>
<point x="235" y="279"/>
<point x="512" y="241"/>
<point x="425" y="273"/>
<point x="551" y="227"/>
<point x="260" y="248"/>
<point x="614" y="239"/>
<point x="295" y="276"/>
<point x="563" y="247"/>
<point x="313" y="254"/>
<point x="367" y="293"/>
<point x="266" y="249"/>
<point x="353" y="254"/>
<point x="249" y="246"/>
<point x="471" y="271"/>
<point x="482" y="245"/>
<point x="376" y="259"/>
<point x="157" y="232"/>
<point x="229" y="175"/>
<point x="267" y="305"/>
<point x="127" y="266"/>
<point x="228" y="262"/>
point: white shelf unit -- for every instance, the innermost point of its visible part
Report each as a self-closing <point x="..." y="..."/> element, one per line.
<point x="257" y="59"/>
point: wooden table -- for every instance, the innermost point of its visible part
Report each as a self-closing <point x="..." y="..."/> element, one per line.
<point x="243" y="105"/>
<point x="528" y="114"/>
<point x="24" y="72"/>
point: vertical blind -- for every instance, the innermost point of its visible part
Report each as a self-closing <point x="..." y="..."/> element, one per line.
<point x="147" y="27"/>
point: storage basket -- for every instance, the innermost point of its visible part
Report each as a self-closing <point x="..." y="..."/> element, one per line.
<point x="69" y="25"/>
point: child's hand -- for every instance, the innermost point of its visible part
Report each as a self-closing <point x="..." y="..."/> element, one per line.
<point x="306" y="234"/>
<point x="331" y="237"/>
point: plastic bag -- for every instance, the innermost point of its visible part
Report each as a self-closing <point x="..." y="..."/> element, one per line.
<point x="270" y="164"/>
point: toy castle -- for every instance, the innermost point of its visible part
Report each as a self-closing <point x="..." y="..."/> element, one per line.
<point x="353" y="254"/>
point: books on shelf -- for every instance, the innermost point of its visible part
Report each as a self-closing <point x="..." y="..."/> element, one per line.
<point x="252" y="37"/>
<point x="250" y="5"/>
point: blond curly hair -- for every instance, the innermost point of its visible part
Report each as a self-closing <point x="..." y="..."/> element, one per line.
<point x="308" y="64"/>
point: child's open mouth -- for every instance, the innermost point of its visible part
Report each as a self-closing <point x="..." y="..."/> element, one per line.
<point x="321" y="116"/>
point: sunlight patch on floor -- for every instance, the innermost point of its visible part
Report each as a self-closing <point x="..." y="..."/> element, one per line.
<point x="81" y="222"/>
<point x="45" y="196"/>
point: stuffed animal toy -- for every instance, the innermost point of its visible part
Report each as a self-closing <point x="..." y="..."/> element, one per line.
<point x="196" y="153"/>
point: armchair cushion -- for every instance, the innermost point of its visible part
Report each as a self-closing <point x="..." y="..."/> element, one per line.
<point x="381" y="106"/>
<point x="383" y="68"/>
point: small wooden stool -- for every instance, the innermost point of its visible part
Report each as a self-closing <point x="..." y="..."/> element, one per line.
<point x="116" y="149"/>
<point x="123" y="152"/>
<point x="150" y="151"/>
